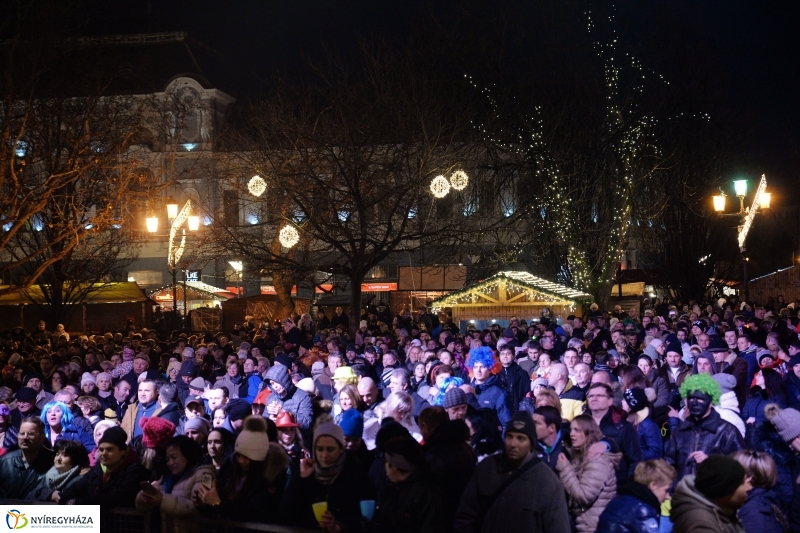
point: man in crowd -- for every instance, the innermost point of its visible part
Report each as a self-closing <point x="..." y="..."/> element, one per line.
<point x="488" y="388"/>
<point x="23" y="469"/>
<point x="517" y="381"/>
<point x="530" y="364"/>
<point x="615" y="426"/>
<point x="572" y="399"/>
<point x="547" y="420"/>
<point x="146" y="406"/>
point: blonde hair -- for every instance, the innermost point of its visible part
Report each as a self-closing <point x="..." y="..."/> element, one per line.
<point x="395" y="401"/>
<point x="591" y="432"/>
<point x="656" y="471"/>
<point x="351" y="392"/>
<point x="759" y="466"/>
<point x="548" y="397"/>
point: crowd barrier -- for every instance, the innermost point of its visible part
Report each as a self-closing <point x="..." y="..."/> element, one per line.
<point x="127" y="520"/>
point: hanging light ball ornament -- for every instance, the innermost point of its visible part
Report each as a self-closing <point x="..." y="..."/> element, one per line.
<point x="257" y="186"/>
<point x="459" y="180"/>
<point x="289" y="236"/>
<point x="440" y="186"/>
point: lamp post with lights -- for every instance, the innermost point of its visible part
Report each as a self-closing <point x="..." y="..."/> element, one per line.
<point x="175" y="251"/>
<point x="746" y="216"/>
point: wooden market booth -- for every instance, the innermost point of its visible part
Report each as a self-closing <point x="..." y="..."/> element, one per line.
<point x="507" y="294"/>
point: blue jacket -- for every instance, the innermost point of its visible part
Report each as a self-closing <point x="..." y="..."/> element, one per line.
<point x="634" y="510"/>
<point x="759" y="511"/>
<point x="650" y="439"/>
<point x="492" y="396"/>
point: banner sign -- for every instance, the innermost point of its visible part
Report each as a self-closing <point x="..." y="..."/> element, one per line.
<point x="50" y="518"/>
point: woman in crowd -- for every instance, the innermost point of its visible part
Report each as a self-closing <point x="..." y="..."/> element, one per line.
<point x="218" y="417"/>
<point x="767" y="388"/>
<point x="219" y="447"/>
<point x="251" y="487"/>
<point x="59" y="424"/>
<point x="289" y="437"/>
<point x="104" y="389"/>
<point x="637" y="376"/>
<point x="58" y="381"/>
<point x="544" y="366"/>
<point x="589" y="477"/>
<point x="399" y="406"/>
<point x="70" y="461"/>
<point x="348" y="399"/>
<point x="90" y="408"/>
<point x="172" y="494"/>
<point x="761" y="512"/>
<point x="418" y="377"/>
<point x="334" y="477"/>
<point x="99" y="429"/>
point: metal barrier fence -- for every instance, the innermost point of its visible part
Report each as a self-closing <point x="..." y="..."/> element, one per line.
<point x="127" y="520"/>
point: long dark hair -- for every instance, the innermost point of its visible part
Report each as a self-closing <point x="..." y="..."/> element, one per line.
<point x="192" y="451"/>
<point x="228" y="441"/>
<point x="486" y="438"/>
<point x="773" y="386"/>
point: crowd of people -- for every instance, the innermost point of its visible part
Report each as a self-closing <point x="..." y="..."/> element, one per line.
<point x="677" y="418"/>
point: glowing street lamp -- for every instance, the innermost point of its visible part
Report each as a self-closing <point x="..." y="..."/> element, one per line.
<point x="172" y="208"/>
<point x="740" y="186"/>
<point x="719" y="203"/>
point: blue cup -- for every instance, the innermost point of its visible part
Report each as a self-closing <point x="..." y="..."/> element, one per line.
<point x="368" y="509"/>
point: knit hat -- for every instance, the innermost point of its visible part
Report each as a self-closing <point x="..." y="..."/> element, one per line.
<point x="187" y="368"/>
<point x="786" y="421"/>
<point x="284" y="359"/>
<point x="198" y="384"/>
<point x="115" y="436"/>
<point x="717" y="345"/>
<point x="635" y="398"/>
<point x="307" y="384"/>
<point x="198" y="424"/>
<point x="188" y="353"/>
<point x="454" y="397"/>
<point x="32" y="375"/>
<point x="174" y="365"/>
<point x="794" y="360"/>
<point x="404" y="453"/>
<point x="718" y="476"/>
<point x="103" y="375"/>
<point x="539" y="381"/>
<point x="674" y="346"/>
<point x="352" y="423"/>
<point x="201" y="351"/>
<point x="253" y="441"/>
<point x="25" y="394"/>
<point x="700" y="324"/>
<point x="362" y="324"/>
<point x="286" y="420"/>
<point x="350" y="347"/>
<point x="156" y="431"/>
<point x="329" y="429"/>
<point x="763" y="354"/>
<point x="15" y="359"/>
<point x="238" y="409"/>
<point x="87" y="378"/>
<point x="508" y="333"/>
<point x="726" y="382"/>
<point x="110" y="414"/>
<point x="522" y="422"/>
<point x="317" y="368"/>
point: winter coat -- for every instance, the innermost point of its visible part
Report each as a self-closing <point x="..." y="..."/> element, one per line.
<point x="649" y="436"/>
<point x="728" y="409"/>
<point x="616" y="427"/>
<point x="11" y="438"/>
<point x="129" y="420"/>
<point x="44" y="490"/>
<point x="517" y="382"/>
<point x="590" y="487"/>
<point x="674" y="384"/>
<point x="766" y="439"/>
<point x="452" y="462"/>
<point x="492" y="395"/>
<point x="573" y="401"/>
<point x="178" y="502"/>
<point x="711" y="435"/>
<point x="755" y="404"/>
<point x="293" y="400"/>
<point x="17" y="478"/>
<point x="172" y="412"/>
<point x="117" y="489"/>
<point x="634" y="510"/>
<point x="761" y="512"/>
<point x="661" y="387"/>
<point x="534" y="502"/>
<point x="81" y="431"/>
<point x="792" y="383"/>
<point x="550" y="455"/>
<point x="237" y="387"/>
<point x="694" y="513"/>
<point x="411" y="506"/>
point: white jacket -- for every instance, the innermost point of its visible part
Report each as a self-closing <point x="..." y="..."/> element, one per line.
<point x="728" y="409"/>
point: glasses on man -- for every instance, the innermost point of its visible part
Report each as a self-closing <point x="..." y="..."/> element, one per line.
<point x="595" y="396"/>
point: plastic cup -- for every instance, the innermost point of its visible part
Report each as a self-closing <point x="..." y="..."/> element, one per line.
<point x="319" y="510"/>
<point x="367" y="509"/>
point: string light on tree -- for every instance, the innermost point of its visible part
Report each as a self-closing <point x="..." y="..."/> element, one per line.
<point x="459" y="180"/>
<point x="257" y="186"/>
<point x="289" y="236"/>
<point x="440" y="186"/>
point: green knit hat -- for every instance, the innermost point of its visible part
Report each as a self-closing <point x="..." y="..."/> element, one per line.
<point x="703" y="383"/>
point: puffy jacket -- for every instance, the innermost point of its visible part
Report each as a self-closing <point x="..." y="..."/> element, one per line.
<point x="11" y="439"/>
<point x="634" y="510"/>
<point x="616" y="427"/>
<point x="17" y="478"/>
<point x="79" y="433"/>
<point x="293" y="400"/>
<point x="766" y="439"/>
<point x="709" y="435"/>
<point x="590" y="487"/>
<point x="117" y="489"/>
<point x="179" y="501"/>
<point x="728" y="409"/>
<point x="694" y="513"/>
<point x="650" y="440"/>
<point x="762" y="512"/>
<point x="491" y="395"/>
<point x="573" y="401"/>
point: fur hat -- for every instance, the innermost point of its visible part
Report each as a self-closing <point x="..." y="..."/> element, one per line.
<point x="253" y="441"/>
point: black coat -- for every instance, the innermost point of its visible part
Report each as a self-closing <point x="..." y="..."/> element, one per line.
<point x="412" y="506"/>
<point x="616" y="427"/>
<point x="118" y="490"/>
<point x="710" y="435"/>
<point x="517" y="382"/>
<point x="17" y="480"/>
<point x="766" y="439"/>
<point x="635" y="509"/>
<point x="452" y="462"/>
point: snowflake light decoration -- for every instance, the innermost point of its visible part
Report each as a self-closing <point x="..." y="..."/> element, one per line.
<point x="440" y="186"/>
<point x="288" y="236"/>
<point x="257" y="186"/>
<point x="459" y="180"/>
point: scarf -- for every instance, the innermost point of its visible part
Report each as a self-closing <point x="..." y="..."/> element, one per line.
<point x="326" y="474"/>
<point x="56" y="481"/>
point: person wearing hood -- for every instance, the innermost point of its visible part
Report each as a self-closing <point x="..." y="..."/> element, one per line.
<point x="488" y="387"/>
<point x="728" y="406"/>
<point x="708" y="501"/>
<point x="114" y="481"/>
<point x="637" y="506"/>
<point x="287" y="397"/>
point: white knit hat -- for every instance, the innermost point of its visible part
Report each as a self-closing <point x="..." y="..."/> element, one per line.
<point x="253" y="441"/>
<point x="87" y="377"/>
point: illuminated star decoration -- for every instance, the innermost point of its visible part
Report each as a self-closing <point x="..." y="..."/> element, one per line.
<point x="289" y="236"/>
<point x="459" y="180"/>
<point x="257" y="186"/>
<point x="440" y="186"/>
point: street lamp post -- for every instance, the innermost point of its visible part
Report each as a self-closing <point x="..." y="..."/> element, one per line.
<point x="746" y="216"/>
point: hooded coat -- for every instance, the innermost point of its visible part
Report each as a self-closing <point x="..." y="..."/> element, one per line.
<point x="694" y="513"/>
<point x="762" y="512"/>
<point x="293" y="400"/>
<point x="634" y="510"/>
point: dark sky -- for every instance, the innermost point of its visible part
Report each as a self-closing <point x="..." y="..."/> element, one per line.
<point x="752" y="44"/>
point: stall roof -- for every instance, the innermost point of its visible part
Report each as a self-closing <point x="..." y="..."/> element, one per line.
<point x="196" y="290"/>
<point x="114" y="292"/>
<point x="544" y="290"/>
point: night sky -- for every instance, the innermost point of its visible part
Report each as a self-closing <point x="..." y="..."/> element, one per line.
<point x="752" y="44"/>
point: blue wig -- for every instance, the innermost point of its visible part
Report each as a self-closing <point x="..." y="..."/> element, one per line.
<point x="483" y="355"/>
<point x="66" y="416"/>
<point x="450" y="380"/>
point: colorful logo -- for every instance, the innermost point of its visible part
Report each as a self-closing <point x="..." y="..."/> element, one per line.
<point x="16" y="519"/>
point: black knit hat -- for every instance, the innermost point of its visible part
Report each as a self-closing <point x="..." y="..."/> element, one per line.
<point x="718" y="476"/>
<point x="522" y="422"/>
<point x="116" y="436"/>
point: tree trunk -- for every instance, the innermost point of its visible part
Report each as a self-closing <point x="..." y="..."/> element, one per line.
<point x="355" y="301"/>
<point x="282" y="280"/>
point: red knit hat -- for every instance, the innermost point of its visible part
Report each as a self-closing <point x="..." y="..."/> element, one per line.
<point x="156" y="431"/>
